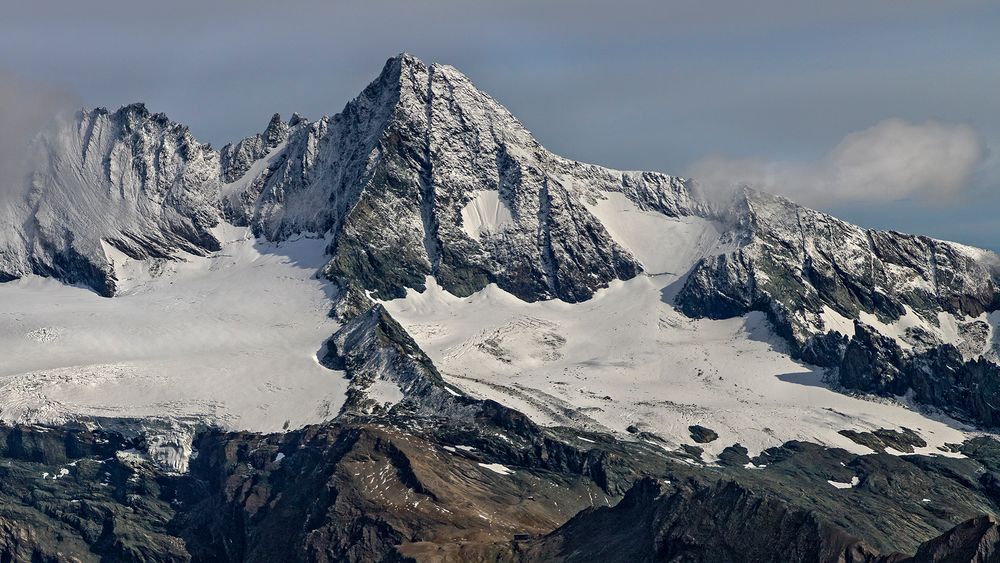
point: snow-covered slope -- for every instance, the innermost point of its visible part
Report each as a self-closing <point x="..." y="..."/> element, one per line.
<point x="230" y="339"/>
<point x="628" y="357"/>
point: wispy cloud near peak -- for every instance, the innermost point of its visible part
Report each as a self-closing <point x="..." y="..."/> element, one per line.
<point x="892" y="160"/>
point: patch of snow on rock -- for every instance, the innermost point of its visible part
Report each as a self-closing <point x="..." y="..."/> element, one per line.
<point x="854" y="482"/>
<point x="485" y="212"/>
<point x="497" y="468"/>
<point x="660" y="243"/>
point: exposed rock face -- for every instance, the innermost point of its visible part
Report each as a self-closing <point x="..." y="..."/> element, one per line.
<point x="939" y="376"/>
<point x="871" y="362"/>
<point x="76" y="495"/>
<point x="395" y="489"/>
<point x="132" y="180"/>
<point x="682" y="523"/>
<point x="975" y="541"/>
<point x="364" y="494"/>
<point x="734" y="456"/>
<point x="701" y="434"/>
<point x="695" y="522"/>
<point x="236" y="159"/>
<point x="790" y="512"/>
<point x="792" y="262"/>
<point x="903" y="440"/>
<point x="378" y="354"/>
<point x="971" y="389"/>
<point x="398" y="177"/>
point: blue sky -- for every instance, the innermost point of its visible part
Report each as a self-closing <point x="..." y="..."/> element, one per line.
<point x="638" y="84"/>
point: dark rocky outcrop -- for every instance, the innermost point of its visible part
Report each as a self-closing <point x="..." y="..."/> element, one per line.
<point x="72" y="494"/>
<point x="399" y="489"/>
<point x="734" y="456"/>
<point x="975" y="541"/>
<point x="968" y="389"/>
<point x="725" y="522"/>
<point x="902" y="440"/>
<point x="701" y="434"/>
<point x="695" y="522"/>
<point x="372" y="347"/>
<point x="871" y="362"/>
<point x="939" y="377"/>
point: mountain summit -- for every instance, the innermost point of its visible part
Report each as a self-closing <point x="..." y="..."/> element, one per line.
<point x="388" y="177"/>
<point x="425" y="180"/>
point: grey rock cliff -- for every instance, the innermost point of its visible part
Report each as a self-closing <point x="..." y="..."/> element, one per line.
<point x="391" y="174"/>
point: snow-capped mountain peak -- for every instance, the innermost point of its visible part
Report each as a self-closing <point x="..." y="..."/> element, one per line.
<point x="424" y="185"/>
<point x="130" y="179"/>
<point x="399" y="178"/>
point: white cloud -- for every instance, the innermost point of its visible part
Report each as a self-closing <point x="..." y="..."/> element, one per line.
<point x="890" y="161"/>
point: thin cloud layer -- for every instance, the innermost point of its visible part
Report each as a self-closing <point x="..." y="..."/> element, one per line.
<point x="26" y="108"/>
<point x="891" y="161"/>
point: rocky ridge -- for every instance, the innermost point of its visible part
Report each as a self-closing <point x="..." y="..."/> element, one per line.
<point x="890" y="313"/>
<point x="494" y="489"/>
<point x="388" y="177"/>
<point x="128" y="181"/>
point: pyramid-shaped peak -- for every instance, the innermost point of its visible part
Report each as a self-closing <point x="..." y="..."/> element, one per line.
<point x="275" y="121"/>
<point x="276" y="131"/>
<point x="406" y="58"/>
<point x="435" y="93"/>
<point x="406" y="70"/>
<point x="401" y="65"/>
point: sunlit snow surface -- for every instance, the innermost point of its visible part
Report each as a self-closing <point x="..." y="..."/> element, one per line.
<point x="485" y="212"/>
<point x="628" y="357"/>
<point x="229" y="339"/>
<point x="232" y="339"/>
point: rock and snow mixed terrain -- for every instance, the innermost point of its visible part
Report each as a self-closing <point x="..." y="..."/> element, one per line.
<point x="628" y="357"/>
<point x="419" y="270"/>
<point x="625" y="358"/>
<point x="577" y="294"/>
<point x="132" y="180"/>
